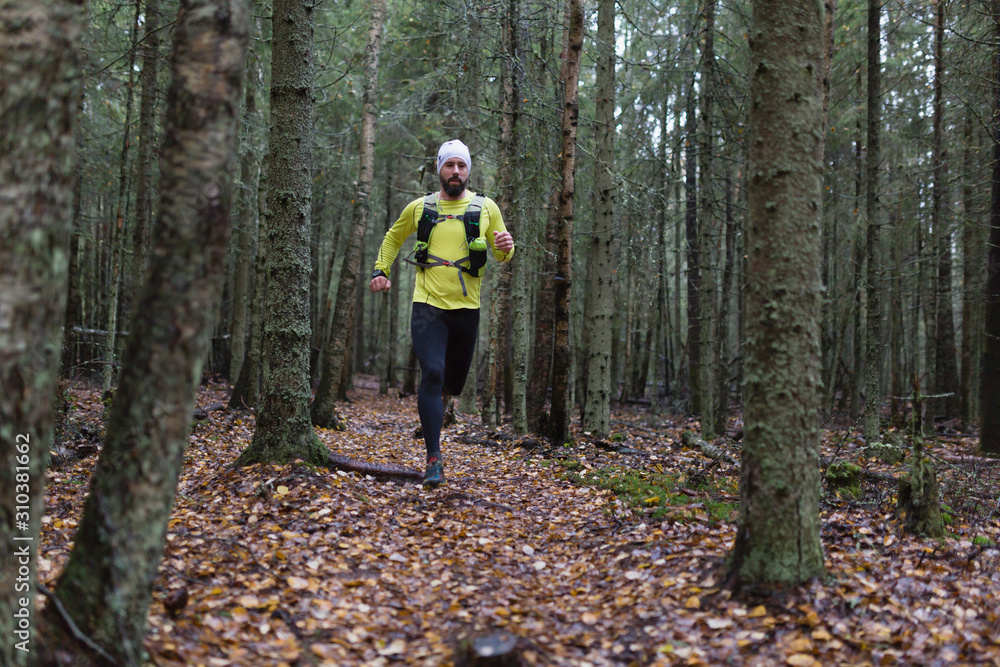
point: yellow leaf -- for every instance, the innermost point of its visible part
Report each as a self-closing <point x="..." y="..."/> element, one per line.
<point x="652" y="501"/>
<point x="281" y="490"/>
<point x="693" y="602"/>
<point x="801" y="660"/>
<point x="821" y="635"/>
<point x="801" y="645"/>
<point x="757" y="612"/>
<point x="395" y="648"/>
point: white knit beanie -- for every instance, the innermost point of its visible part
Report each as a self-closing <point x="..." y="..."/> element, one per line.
<point x="453" y="148"/>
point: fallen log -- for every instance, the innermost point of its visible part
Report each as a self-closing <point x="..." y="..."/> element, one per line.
<point x="387" y="472"/>
<point x="690" y="439"/>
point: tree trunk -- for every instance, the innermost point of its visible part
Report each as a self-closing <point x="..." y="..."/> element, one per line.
<point x="247" y="224"/>
<point x="39" y="93"/>
<point x="721" y="415"/>
<point x="106" y="585"/>
<point x="120" y="227"/>
<point x="541" y="364"/>
<point x="284" y="431"/>
<point x="945" y="363"/>
<point x="989" y="395"/>
<point x="599" y="302"/>
<point x="148" y="147"/>
<point x="873" y="213"/>
<point x="706" y="230"/>
<point x="334" y="355"/>
<point x="562" y="358"/>
<point x="970" y="262"/>
<point x="778" y="534"/>
<point x="246" y="391"/>
<point x="693" y="255"/>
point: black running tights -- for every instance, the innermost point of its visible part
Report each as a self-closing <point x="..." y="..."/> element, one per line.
<point x="445" y="343"/>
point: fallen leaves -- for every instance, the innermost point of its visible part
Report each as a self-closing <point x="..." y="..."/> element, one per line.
<point x="288" y="564"/>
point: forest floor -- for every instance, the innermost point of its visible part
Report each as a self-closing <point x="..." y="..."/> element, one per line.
<point x="608" y="553"/>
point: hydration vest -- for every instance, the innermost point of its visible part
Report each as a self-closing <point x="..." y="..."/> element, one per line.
<point x="474" y="241"/>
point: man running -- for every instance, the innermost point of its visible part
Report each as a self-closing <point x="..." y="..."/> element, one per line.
<point x="454" y="226"/>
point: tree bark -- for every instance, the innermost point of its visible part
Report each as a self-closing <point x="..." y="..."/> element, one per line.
<point x="707" y="241"/>
<point x="562" y="358"/>
<point x="989" y="395"/>
<point x="39" y="92"/>
<point x="945" y="363"/>
<point x="873" y="214"/>
<point x="599" y="302"/>
<point x="120" y="227"/>
<point x="778" y="534"/>
<point x="324" y="404"/>
<point x="693" y="254"/>
<point x="541" y="364"/>
<point x="148" y="147"/>
<point x="247" y="224"/>
<point x="970" y="262"/>
<point x="106" y="585"/>
<point x="284" y="431"/>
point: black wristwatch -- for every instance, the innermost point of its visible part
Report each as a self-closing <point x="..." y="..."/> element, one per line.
<point x="379" y="272"/>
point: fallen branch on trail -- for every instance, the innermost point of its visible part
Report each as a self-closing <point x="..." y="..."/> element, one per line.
<point x="690" y="439"/>
<point x="383" y="471"/>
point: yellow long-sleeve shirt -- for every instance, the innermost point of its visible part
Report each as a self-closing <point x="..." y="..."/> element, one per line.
<point x="439" y="285"/>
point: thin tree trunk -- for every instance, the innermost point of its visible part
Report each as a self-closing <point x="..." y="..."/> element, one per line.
<point x="107" y="583"/>
<point x="247" y="225"/>
<point x="562" y="346"/>
<point x="873" y="213"/>
<point x="970" y="257"/>
<point x="599" y="303"/>
<point x="541" y="365"/>
<point x="120" y="228"/>
<point x="148" y="147"/>
<point x="693" y="255"/>
<point x="778" y="534"/>
<point x="945" y="364"/>
<point x="246" y="391"/>
<point x="706" y="230"/>
<point x="722" y="342"/>
<point x="39" y="96"/>
<point x="324" y="405"/>
<point x="989" y="394"/>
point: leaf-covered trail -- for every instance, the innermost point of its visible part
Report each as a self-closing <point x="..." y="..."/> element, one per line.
<point x="291" y="565"/>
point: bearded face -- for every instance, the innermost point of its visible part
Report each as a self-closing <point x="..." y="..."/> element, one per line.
<point x="453" y="185"/>
<point x="454" y="177"/>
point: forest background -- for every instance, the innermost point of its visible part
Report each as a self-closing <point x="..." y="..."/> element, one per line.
<point x="635" y="294"/>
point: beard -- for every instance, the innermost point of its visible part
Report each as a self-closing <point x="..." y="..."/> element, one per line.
<point x="453" y="187"/>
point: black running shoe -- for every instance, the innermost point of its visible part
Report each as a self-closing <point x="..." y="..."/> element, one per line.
<point x="434" y="475"/>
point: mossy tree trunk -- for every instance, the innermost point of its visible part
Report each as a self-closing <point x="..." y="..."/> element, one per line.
<point x="778" y="535"/>
<point x="336" y="355"/>
<point x="39" y="91"/>
<point x="562" y="356"/>
<point x="107" y="583"/>
<point x="917" y="498"/>
<point x="284" y="430"/>
<point x="599" y="304"/>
